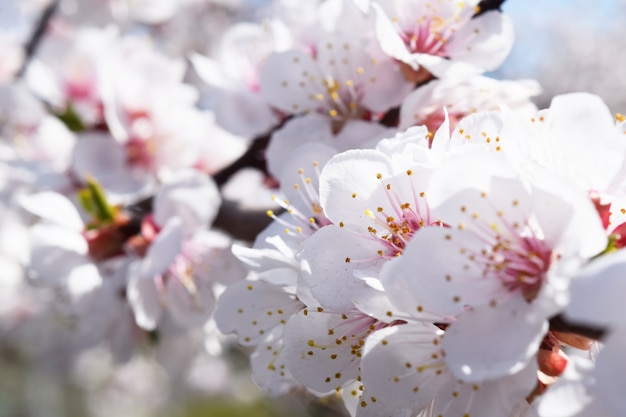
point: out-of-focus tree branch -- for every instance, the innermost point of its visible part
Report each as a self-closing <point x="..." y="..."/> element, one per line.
<point x="38" y="32"/>
<point x="561" y="324"/>
<point x="487" y="5"/>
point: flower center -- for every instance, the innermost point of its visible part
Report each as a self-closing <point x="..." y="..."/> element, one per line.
<point x="522" y="267"/>
<point x="430" y="34"/>
<point x="401" y="221"/>
<point x="519" y="260"/>
<point x="303" y="223"/>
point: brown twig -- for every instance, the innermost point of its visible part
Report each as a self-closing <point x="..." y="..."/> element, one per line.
<point x="561" y="324"/>
<point x="35" y="39"/>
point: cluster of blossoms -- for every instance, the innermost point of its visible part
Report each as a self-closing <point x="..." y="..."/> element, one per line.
<point x="436" y="246"/>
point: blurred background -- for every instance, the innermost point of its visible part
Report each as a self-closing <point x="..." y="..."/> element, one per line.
<point x="567" y="45"/>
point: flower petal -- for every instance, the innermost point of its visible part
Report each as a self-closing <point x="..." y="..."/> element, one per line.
<point x="491" y="342"/>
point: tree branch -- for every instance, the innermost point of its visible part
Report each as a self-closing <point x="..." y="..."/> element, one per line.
<point x="35" y="39"/>
<point x="561" y="324"/>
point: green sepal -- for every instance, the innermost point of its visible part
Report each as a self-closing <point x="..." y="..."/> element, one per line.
<point x="94" y="201"/>
<point x="611" y="246"/>
<point x="71" y="119"/>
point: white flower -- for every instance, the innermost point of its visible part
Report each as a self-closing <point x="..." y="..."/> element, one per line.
<point x="234" y="74"/>
<point x="444" y="37"/>
<point x="67" y="70"/>
<point x="184" y="260"/>
<point x="425" y="105"/>
<point x="316" y="128"/>
<point x="501" y="266"/>
<point x="323" y="348"/>
<point x="257" y="311"/>
<point x="405" y="365"/>
<point x="341" y="79"/>
<point x="576" y="137"/>
<point x="273" y="256"/>
<point x="375" y="200"/>
<point x="595" y="302"/>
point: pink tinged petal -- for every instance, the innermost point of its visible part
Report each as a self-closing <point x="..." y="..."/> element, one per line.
<point x="189" y="300"/>
<point x="312" y="128"/>
<point x="368" y="405"/>
<point x="487" y="128"/>
<point x="578" y="114"/>
<point x="83" y="280"/>
<point x="300" y="177"/>
<point x="53" y="143"/>
<point x="101" y="157"/>
<point x="441" y="140"/>
<point x="269" y="367"/>
<point x="244" y="113"/>
<point x="404" y="365"/>
<point x="491" y="342"/>
<point x="492" y="195"/>
<point x="288" y="79"/>
<point x="597" y="293"/>
<point x="144" y="299"/>
<point x="211" y="258"/>
<point x="349" y="177"/>
<point x="360" y="134"/>
<point x="500" y="208"/>
<point x="54" y="253"/>
<point x="610" y="374"/>
<point x="190" y="195"/>
<point x="386" y="87"/>
<point x="435" y="275"/>
<point x="569" y="396"/>
<point x="568" y="219"/>
<point x="323" y="350"/>
<point x="359" y="78"/>
<point x="273" y="256"/>
<point x="154" y="12"/>
<point x="378" y="305"/>
<point x="579" y="125"/>
<point x="253" y="308"/>
<point x="485" y="41"/>
<point x="412" y="140"/>
<point x="208" y="70"/>
<point x="244" y="46"/>
<point x="329" y="259"/>
<point x="344" y="17"/>
<point x="390" y="41"/>
<point x="443" y="68"/>
<point x="54" y="208"/>
<point x="490" y="398"/>
<point x="163" y="250"/>
<point x="420" y="104"/>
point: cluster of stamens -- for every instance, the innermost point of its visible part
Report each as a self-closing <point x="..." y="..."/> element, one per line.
<point x="398" y="226"/>
<point x="302" y="224"/>
<point x="429" y="34"/>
